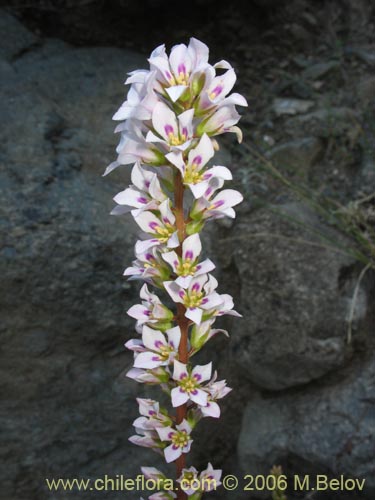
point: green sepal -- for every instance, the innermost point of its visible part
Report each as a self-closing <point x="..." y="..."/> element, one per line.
<point x="194" y="226"/>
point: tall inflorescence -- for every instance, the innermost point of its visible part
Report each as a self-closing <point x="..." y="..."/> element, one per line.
<point x="168" y="123"/>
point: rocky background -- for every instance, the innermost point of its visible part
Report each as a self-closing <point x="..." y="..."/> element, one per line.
<point x="304" y="396"/>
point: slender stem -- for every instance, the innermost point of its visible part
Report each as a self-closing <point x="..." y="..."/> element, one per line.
<point x="182" y="321"/>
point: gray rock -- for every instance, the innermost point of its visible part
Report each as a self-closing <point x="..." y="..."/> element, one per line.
<point x="327" y="430"/>
<point x="67" y="407"/>
<point x="298" y="155"/>
<point x="320" y="69"/>
<point x="324" y="123"/>
<point x="366" y="55"/>
<point x="289" y="280"/>
<point x="15" y="38"/>
<point x="291" y="106"/>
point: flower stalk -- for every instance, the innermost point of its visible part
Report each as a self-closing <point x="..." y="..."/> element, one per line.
<point x="167" y="124"/>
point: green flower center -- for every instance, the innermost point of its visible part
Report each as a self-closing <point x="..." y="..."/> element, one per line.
<point x="175" y="140"/>
<point x="186" y="268"/>
<point x="188" y="384"/>
<point x="180" y="439"/>
<point x="192" y="175"/>
<point x="193" y="299"/>
<point x="164" y="233"/>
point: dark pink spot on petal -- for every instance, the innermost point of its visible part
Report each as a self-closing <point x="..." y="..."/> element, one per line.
<point x="142" y="200"/>
<point x="196" y="287"/>
<point x="168" y="129"/>
<point x="216" y="91"/>
<point x="181" y="69"/>
<point x="189" y="254"/>
<point x="153" y="225"/>
<point x="198" y="160"/>
<point x="218" y="203"/>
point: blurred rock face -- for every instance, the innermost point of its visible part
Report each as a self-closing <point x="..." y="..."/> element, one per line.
<point x="66" y="407"/>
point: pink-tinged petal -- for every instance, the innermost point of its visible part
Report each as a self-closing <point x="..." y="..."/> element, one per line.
<point x="166" y="214"/>
<point x="164" y="121"/>
<point x="224" y="117"/>
<point x="179" y="370"/>
<point x="131" y="271"/>
<point x="199" y="188"/>
<point x="159" y="52"/>
<point x="211" y="301"/>
<point x="140" y="177"/>
<point x="203" y="153"/>
<point x="112" y="166"/>
<point x="211" y="284"/>
<point x="184" y="281"/>
<point x="151" y="137"/>
<point x="176" y="92"/>
<point x="219" y="171"/>
<point x="146" y="405"/>
<point x="135" y="345"/>
<point x="161" y="312"/>
<point x="199" y="397"/>
<point x="148" y="360"/>
<point x="175" y="292"/>
<point x="152" y="473"/>
<point x="171" y="453"/>
<point x="198" y="52"/>
<point x="155" y="190"/>
<point x="145" y="441"/>
<point x="191" y="247"/>
<point x="131" y="197"/>
<point x="186" y="448"/>
<point x="139" y="312"/>
<point x="235" y="99"/>
<point x="178" y="397"/>
<point x="176" y="158"/>
<point x="165" y="433"/>
<point x="153" y="339"/>
<point x="143" y="245"/>
<point x="184" y="426"/>
<point x="211" y="410"/>
<point x="198" y="283"/>
<point x="174" y="337"/>
<point x="173" y="241"/>
<point x="223" y="65"/>
<point x="148" y="222"/>
<point x="202" y="372"/>
<point x="120" y="210"/>
<point x="142" y="424"/>
<point x="205" y="267"/>
<point x="171" y="258"/>
<point x="194" y="314"/>
<point x="185" y="121"/>
<point x="221" y="85"/>
<point x="180" y="61"/>
<point x="226" y="199"/>
<point x="137" y="76"/>
<point x="161" y="64"/>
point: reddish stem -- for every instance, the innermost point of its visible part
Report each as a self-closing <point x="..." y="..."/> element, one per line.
<point x="182" y="321"/>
